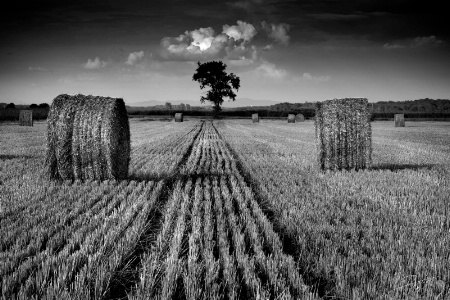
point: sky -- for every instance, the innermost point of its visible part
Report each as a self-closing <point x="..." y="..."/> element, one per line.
<point x="282" y="50"/>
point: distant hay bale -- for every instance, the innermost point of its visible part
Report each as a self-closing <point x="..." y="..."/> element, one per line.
<point x="399" y="120"/>
<point x="179" y="117"/>
<point x="255" y="118"/>
<point x="299" y="118"/>
<point x="291" y="118"/>
<point x="88" y="137"/>
<point x="26" y="118"/>
<point x="343" y="134"/>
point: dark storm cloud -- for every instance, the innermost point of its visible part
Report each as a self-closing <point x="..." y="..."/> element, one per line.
<point x="374" y="20"/>
<point x="310" y="21"/>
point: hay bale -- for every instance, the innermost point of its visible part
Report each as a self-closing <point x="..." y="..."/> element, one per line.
<point x="343" y="134"/>
<point x="179" y="117"/>
<point x="88" y="137"/>
<point x="299" y="118"/>
<point x="399" y="120"/>
<point x="26" y="118"/>
<point x="255" y="118"/>
<point x="291" y="118"/>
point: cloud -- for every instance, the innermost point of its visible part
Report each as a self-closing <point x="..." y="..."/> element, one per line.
<point x="241" y="31"/>
<point x="418" y="42"/>
<point x="308" y="76"/>
<point x="278" y="33"/>
<point x="37" y="69"/>
<point x="204" y="44"/>
<point x="134" y="58"/>
<point x="249" y="57"/>
<point x="393" y="46"/>
<point x="95" y="64"/>
<point x="270" y="70"/>
<point x="199" y="44"/>
<point x="430" y="41"/>
<point x="202" y="38"/>
<point x="268" y="47"/>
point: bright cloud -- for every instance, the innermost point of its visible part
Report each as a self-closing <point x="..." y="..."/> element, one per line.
<point x="241" y="31"/>
<point x="95" y="64"/>
<point x="202" y="38"/>
<point x="134" y="58"/>
<point x="277" y="32"/>
<point x="204" y="44"/>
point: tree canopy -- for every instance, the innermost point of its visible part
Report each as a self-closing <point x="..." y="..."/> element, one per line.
<point x="212" y="74"/>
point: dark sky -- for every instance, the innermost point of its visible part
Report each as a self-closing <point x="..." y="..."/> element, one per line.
<point x="282" y="50"/>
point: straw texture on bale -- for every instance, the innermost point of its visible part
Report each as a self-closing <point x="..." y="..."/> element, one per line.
<point x="255" y="118"/>
<point x="291" y="118"/>
<point x="88" y="137"/>
<point x="399" y="120"/>
<point x="299" y="118"/>
<point x="26" y="118"/>
<point x="179" y="117"/>
<point x="343" y="134"/>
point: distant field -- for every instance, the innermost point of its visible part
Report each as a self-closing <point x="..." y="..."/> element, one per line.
<point x="228" y="209"/>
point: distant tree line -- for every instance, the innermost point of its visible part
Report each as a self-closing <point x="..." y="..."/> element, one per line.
<point x="264" y="113"/>
<point x="430" y="109"/>
<point x="10" y="111"/>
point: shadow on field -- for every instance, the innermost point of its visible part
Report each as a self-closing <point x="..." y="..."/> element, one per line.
<point x="399" y="167"/>
<point x="11" y="156"/>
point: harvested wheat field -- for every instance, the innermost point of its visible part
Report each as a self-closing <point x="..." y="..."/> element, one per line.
<point x="229" y="210"/>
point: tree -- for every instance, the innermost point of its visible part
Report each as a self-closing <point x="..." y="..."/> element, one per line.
<point x="182" y="106"/>
<point x="11" y="105"/>
<point x="33" y="105"/>
<point x="168" y="105"/>
<point x="212" y="74"/>
<point x="188" y="107"/>
<point x="44" y="105"/>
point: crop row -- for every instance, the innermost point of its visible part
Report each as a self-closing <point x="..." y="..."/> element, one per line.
<point x="215" y="241"/>
<point x="373" y="234"/>
<point x="64" y="256"/>
<point x="156" y="154"/>
<point x="66" y="240"/>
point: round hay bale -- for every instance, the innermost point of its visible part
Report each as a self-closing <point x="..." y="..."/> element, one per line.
<point x="255" y="118"/>
<point x="399" y="120"/>
<point x="291" y="118"/>
<point x="299" y="118"/>
<point x="26" y="118"/>
<point x="343" y="134"/>
<point x="88" y="137"/>
<point x="179" y="117"/>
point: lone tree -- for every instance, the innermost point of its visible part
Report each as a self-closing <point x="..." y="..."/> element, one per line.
<point x="212" y="74"/>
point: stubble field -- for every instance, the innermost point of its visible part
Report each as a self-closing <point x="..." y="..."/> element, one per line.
<point x="230" y="210"/>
